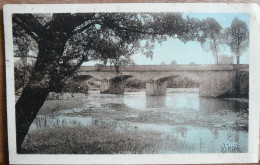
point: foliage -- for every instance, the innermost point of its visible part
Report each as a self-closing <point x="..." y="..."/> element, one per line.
<point x="23" y="43"/>
<point x="173" y="62"/>
<point x="192" y="63"/>
<point x="73" y="86"/>
<point x="212" y="37"/>
<point x="163" y="63"/>
<point x="112" y="37"/>
<point x="237" y="38"/>
<point x="21" y="74"/>
<point x="224" y="59"/>
<point x="182" y="82"/>
<point x="134" y="83"/>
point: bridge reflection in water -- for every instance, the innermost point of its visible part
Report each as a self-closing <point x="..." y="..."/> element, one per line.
<point x="181" y="100"/>
<point x="155" y="101"/>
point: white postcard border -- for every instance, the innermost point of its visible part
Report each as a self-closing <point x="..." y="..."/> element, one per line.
<point x="254" y="87"/>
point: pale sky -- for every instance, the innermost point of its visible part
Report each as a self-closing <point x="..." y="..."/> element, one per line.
<point x="174" y="49"/>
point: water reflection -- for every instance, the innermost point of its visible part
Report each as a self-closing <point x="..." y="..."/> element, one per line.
<point x="210" y="105"/>
<point x="185" y="100"/>
<point x="186" y="123"/>
<point x="155" y="101"/>
<point x="172" y="100"/>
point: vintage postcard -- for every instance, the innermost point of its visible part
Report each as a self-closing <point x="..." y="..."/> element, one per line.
<point x="133" y="83"/>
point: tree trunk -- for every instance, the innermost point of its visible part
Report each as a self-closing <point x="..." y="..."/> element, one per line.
<point x="26" y="109"/>
<point x="40" y="84"/>
<point x="237" y="79"/>
<point x="47" y="75"/>
<point x="238" y="60"/>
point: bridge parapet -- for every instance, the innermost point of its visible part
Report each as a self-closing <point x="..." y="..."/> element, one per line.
<point x="136" y="68"/>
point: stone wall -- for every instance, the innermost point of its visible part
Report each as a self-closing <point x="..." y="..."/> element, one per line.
<point x="215" y="84"/>
<point x="244" y="83"/>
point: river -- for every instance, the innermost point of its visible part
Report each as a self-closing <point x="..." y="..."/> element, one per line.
<point x="179" y="122"/>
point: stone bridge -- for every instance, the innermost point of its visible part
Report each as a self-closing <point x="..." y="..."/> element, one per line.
<point x="214" y="80"/>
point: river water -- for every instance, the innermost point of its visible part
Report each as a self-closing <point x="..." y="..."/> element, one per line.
<point x="181" y="121"/>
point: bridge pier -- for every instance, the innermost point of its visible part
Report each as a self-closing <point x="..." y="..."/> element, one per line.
<point x="104" y="86"/>
<point x="116" y="87"/>
<point x="111" y="87"/>
<point x="156" y="87"/>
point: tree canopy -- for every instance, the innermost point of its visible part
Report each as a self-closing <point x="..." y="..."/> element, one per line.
<point x="212" y="37"/>
<point x="106" y="37"/>
<point x="237" y="38"/>
<point x="64" y="41"/>
<point x="224" y="59"/>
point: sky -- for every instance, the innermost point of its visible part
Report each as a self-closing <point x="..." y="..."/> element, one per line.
<point x="185" y="53"/>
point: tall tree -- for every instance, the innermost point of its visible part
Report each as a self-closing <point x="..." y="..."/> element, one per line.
<point x="212" y="37"/>
<point x="237" y="38"/>
<point x="65" y="41"/>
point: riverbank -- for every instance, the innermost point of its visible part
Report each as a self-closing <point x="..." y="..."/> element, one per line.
<point x="169" y="90"/>
<point x="243" y="100"/>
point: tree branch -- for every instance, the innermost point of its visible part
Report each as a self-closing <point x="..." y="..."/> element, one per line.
<point x="84" y="28"/>
<point x="84" y="59"/>
<point x="134" y="30"/>
<point x="30" y="24"/>
<point x="27" y="56"/>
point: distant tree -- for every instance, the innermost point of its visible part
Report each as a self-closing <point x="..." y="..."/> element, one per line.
<point x="163" y="63"/>
<point x="224" y="59"/>
<point x="237" y="38"/>
<point x="173" y="62"/>
<point x="23" y="44"/>
<point x="212" y="37"/>
<point x="133" y="83"/>
<point x="192" y="63"/>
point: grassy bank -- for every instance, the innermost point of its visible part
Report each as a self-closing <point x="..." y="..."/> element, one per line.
<point x="98" y="140"/>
